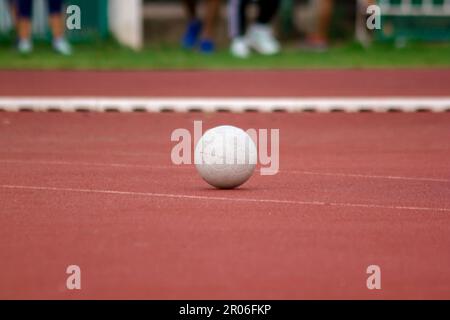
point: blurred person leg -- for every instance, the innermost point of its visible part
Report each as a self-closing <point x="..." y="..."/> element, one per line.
<point x="56" y="21"/>
<point x="198" y="32"/>
<point x="237" y="27"/>
<point x="13" y="12"/>
<point x="318" y="40"/>
<point x="260" y="35"/>
<point x="206" y="44"/>
<point x="194" y="25"/>
<point x="23" y="9"/>
<point x="362" y="34"/>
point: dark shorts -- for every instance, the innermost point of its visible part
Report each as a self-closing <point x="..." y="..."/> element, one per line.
<point x="24" y="8"/>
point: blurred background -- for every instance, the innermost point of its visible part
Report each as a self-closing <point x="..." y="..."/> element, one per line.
<point x="309" y="33"/>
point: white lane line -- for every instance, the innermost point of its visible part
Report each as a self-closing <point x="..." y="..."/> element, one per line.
<point x="87" y="164"/>
<point x="184" y="196"/>
<point x="144" y="166"/>
<point x="238" y="104"/>
<point x="116" y="153"/>
<point x="368" y="176"/>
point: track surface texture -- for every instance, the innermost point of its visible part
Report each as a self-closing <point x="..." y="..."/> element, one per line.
<point x="319" y="83"/>
<point x="99" y="190"/>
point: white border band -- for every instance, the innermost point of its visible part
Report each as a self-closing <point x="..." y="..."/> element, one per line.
<point x="123" y="104"/>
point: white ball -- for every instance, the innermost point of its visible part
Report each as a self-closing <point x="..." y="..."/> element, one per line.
<point x="225" y="157"/>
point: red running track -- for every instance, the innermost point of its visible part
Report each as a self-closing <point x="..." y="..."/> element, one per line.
<point x="315" y="83"/>
<point x="99" y="191"/>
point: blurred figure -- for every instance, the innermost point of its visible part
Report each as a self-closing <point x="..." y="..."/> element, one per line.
<point x="318" y="40"/>
<point x="12" y="9"/>
<point x="23" y="14"/>
<point x="259" y="36"/>
<point x="199" y="33"/>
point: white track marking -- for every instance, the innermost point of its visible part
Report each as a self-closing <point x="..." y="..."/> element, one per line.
<point x="367" y="176"/>
<point x="183" y="104"/>
<point x="192" y="197"/>
<point x="87" y="164"/>
<point x="147" y="155"/>
<point x="144" y="166"/>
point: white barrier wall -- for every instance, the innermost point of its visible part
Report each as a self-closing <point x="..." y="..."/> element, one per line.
<point x="126" y="22"/>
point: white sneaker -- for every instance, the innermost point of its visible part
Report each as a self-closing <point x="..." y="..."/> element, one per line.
<point x="24" y="46"/>
<point x="239" y="48"/>
<point x="261" y="39"/>
<point x="62" y="46"/>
